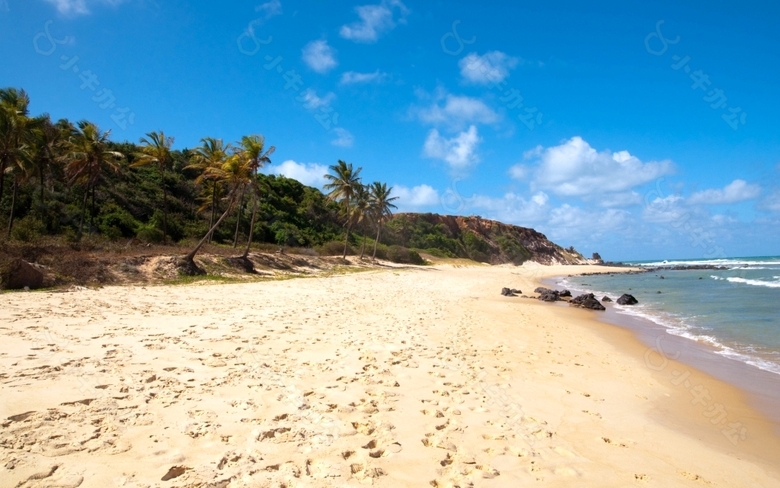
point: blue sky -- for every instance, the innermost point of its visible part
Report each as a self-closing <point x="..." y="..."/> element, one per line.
<point x="636" y="131"/>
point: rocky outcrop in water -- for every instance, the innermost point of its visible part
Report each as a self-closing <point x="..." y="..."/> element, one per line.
<point x="627" y="299"/>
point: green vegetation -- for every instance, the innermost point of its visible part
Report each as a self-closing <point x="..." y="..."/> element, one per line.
<point x="69" y="181"/>
<point x="71" y="184"/>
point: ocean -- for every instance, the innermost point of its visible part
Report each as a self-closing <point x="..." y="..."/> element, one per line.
<point x="735" y="311"/>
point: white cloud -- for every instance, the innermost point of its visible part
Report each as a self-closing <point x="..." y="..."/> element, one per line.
<point x="374" y="21"/>
<point x="270" y="9"/>
<point x="310" y="174"/>
<point x="491" y="67"/>
<point x="513" y="208"/>
<point x="736" y="191"/>
<point x="624" y="199"/>
<point x="456" y="111"/>
<point x="518" y="171"/>
<point x="319" y="56"/>
<point x="459" y="152"/>
<point x="574" y="168"/>
<point x="80" y="7"/>
<point x="772" y="202"/>
<point x="664" y="209"/>
<point x="312" y="101"/>
<point x="343" y="138"/>
<point x="352" y="77"/>
<point x="418" y="196"/>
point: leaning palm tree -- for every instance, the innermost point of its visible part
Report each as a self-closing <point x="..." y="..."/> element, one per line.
<point x="235" y="173"/>
<point x="343" y="184"/>
<point x="156" y="149"/>
<point x="208" y="158"/>
<point x="253" y="148"/>
<point x="381" y="207"/>
<point x="86" y="157"/>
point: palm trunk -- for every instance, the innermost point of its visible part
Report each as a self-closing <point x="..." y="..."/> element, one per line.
<point x="40" y="174"/>
<point x="13" y="205"/>
<point x="92" y="212"/>
<point x="189" y="257"/>
<point x="165" y="209"/>
<point x="349" y="226"/>
<point x="251" y="224"/>
<point x="213" y="207"/>
<point x="2" y="178"/>
<point x="378" y="230"/>
<point x="83" y="212"/>
<point x="363" y="247"/>
<point x="238" y="219"/>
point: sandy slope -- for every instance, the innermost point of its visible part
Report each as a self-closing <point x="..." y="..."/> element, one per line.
<point x="416" y="377"/>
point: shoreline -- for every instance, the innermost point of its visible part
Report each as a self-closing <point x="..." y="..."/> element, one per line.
<point x="761" y="387"/>
<point x="406" y="377"/>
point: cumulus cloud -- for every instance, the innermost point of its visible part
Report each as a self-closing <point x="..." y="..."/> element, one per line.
<point x="80" y="7"/>
<point x="736" y="191"/>
<point x="313" y="101"/>
<point x="270" y="9"/>
<point x="459" y="152"/>
<point x="513" y="208"/>
<point x="415" y="197"/>
<point x="353" y="78"/>
<point x="375" y="20"/>
<point x="319" y="56"/>
<point x="491" y="67"/>
<point x="310" y="174"/>
<point x="575" y="169"/>
<point x="343" y="138"/>
<point x="456" y="111"/>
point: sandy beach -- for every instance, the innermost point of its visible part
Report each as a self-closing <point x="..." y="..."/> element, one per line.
<point x="400" y="377"/>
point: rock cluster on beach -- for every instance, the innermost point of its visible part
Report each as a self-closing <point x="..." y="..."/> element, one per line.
<point x="587" y="301"/>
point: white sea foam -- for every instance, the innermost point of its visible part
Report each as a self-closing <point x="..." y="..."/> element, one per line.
<point x="768" y="284"/>
<point x="713" y="262"/>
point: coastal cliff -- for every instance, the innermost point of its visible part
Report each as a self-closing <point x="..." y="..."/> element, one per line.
<point x="480" y="239"/>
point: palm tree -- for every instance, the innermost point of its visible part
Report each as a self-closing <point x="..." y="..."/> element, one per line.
<point x="156" y="149"/>
<point x="208" y="157"/>
<point x="360" y="211"/>
<point x="342" y="187"/>
<point x="13" y="129"/>
<point x="86" y="157"/>
<point x="253" y="148"/>
<point x="381" y="205"/>
<point x="235" y="173"/>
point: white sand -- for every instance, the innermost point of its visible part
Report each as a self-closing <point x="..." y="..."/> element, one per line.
<point x="418" y="377"/>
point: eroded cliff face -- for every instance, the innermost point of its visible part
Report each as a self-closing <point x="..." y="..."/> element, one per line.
<point x="495" y="242"/>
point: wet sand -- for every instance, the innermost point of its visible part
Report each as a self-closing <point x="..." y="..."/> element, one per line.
<point x="407" y="377"/>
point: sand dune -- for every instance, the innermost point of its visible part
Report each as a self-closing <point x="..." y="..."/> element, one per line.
<point x="408" y="377"/>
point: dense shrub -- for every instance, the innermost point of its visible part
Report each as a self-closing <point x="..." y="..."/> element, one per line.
<point x="402" y="255"/>
<point x="334" y="248"/>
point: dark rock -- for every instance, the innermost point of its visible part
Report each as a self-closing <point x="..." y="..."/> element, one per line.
<point x="549" y="296"/>
<point x="174" y="472"/>
<point x="507" y="292"/>
<point x="587" y="301"/>
<point x="541" y="289"/>
<point x="606" y="299"/>
<point x="564" y="293"/>
<point x="19" y="274"/>
<point x="627" y="299"/>
<point x="663" y="278"/>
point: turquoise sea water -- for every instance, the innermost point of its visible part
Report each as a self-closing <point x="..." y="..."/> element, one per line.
<point x="736" y="310"/>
